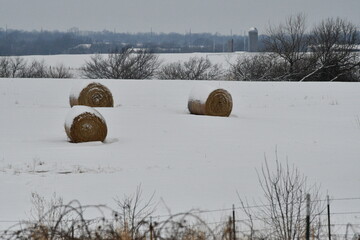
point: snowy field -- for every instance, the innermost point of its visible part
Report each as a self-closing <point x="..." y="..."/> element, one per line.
<point x="189" y="161"/>
<point x="75" y="62"/>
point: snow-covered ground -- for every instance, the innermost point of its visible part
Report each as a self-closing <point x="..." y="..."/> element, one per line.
<point x="189" y="161"/>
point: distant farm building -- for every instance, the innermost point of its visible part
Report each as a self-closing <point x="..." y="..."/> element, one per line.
<point x="253" y="40"/>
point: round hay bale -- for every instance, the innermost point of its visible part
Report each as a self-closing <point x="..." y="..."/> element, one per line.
<point x="210" y="101"/>
<point x="85" y="124"/>
<point x="92" y="95"/>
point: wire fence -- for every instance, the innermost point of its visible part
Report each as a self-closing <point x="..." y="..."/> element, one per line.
<point x="341" y="227"/>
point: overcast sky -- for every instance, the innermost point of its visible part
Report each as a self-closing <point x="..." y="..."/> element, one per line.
<point x="213" y="16"/>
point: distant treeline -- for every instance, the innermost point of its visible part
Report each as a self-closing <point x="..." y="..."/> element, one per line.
<point x="16" y="42"/>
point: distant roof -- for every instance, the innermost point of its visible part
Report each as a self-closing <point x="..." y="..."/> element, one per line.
<point x="253" y="29"/>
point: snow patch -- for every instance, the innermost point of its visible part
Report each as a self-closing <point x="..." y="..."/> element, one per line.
<point x="77" y="88"/>
<point x="78" y="110"/>
<point x="201" y="93"/>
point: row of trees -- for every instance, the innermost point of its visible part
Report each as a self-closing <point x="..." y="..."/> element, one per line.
<point x="128" y="64"/>
<point x="326" y="53"/>
<point x="19" y="68"/>
<point x="15" y="42"/>
<point x="123" y="65"/>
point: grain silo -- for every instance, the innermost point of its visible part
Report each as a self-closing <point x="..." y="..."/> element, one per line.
<point x="253" y="40"/>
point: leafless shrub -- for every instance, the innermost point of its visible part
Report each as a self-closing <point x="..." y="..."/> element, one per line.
<point x="43" y="207"/>
<point x="262" y="67"/>
<point x="5" y="71"/>
<point x="59" y="71"/>
<point x="269" y="67"/>
<point x="194" y="69"/>
<point x="283" y="210"/>
<point x="11" y="67"/>
<point x="36" y="69"/>
<point x="18" y="65"/>
<point x="123" y="65"/>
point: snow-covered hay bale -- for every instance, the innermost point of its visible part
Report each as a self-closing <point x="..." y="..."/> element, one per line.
<point x="85" y="124"/>
<point x="206" y="100"/>
<point x="92" y="95"/>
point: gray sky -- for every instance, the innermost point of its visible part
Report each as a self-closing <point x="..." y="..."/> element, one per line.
<point x="167" y="15"/>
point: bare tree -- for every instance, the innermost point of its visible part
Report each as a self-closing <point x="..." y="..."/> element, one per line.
<point x="42" y="210"/>
<point x="283" y="210"/>
<point x="135" y="213"/>
<point x="289" y="42"/>
<point x="36" y="69"/>
<point x="333" y="42"/>
<point x="194" y="69"/>
<point x="126" y="64"/>
<point x="17" y="66"/>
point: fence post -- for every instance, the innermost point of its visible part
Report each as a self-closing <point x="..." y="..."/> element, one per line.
<point x="328" y="213"/>
<point x="151" y="229"/>
<point x="230" y="228"/>
<point x="233" y="223"/>
<point x="72" y="231"/>
<point x="307" y="216"/>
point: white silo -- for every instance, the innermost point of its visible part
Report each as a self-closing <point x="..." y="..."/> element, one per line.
<point x="253" y="40"/>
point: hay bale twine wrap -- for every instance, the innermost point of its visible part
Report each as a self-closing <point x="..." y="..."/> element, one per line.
<point x="207" y="100"/>
<point x="91" y="94"/>
<point x="85" y="124"/>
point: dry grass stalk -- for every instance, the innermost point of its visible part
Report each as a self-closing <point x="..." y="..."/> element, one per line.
<point x="40" y="233"/>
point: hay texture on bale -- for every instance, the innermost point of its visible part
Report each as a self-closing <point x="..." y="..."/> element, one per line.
<point x="91" y="94"/>
<point x="207" y="100"/>
<point x="85" y="124"/>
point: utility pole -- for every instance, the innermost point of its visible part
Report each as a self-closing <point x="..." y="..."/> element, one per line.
<point x="307" y="216"/>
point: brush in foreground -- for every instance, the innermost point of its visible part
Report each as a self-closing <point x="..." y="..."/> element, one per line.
<point x="207" y="100"/>
<point x="85" y="124"/>
<point x="92" y="95"/>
